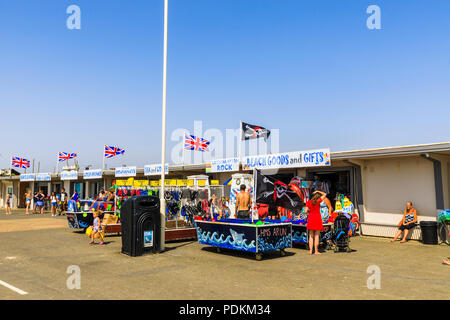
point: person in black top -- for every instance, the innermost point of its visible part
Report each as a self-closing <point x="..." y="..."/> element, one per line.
<point x="40" y="201"/>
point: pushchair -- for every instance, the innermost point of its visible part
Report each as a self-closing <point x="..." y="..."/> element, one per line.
<point x="340" y="238"/>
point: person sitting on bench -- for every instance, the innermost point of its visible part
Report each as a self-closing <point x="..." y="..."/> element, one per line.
<point x="407" y="223"/>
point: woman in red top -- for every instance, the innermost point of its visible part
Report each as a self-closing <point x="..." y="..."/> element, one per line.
<point x="314" y="224"/>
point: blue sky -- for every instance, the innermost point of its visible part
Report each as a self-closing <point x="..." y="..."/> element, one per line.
<point x="309" y="68"/>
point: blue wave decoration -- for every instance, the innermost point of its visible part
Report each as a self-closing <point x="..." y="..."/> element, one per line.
<point x="82" y="224"/>
<point x="284" y="242"/>
<point x="218" y="241"/>
<point x="300" y="237"/>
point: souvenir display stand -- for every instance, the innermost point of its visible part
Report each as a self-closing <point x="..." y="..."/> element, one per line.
<point x="80" y="216"/>
<point x="343" y="206"/>
<point x="300" y="234"/>
<point x="183" y="199"/>
<point x="257" y="237"/>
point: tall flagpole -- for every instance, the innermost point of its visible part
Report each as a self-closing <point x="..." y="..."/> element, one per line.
<point x="103" y="156"/>
<point x="184" y="149"/>
<point x="163" y="133"/>
<point x="240" y="142"/>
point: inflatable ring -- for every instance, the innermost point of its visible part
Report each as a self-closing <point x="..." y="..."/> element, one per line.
<point x="297" y="190"/>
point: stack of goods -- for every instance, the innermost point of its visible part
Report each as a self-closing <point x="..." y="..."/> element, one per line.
<point x="345" y="207"/>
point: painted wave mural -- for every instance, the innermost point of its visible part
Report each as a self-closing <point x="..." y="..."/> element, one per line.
<point x="282" y="243"/>
<point x="299" y="236"/>
<point x="234" y="241"/>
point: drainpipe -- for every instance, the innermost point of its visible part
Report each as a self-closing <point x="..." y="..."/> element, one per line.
<point x="437" y="181"/>
<point x="358" y="189"/>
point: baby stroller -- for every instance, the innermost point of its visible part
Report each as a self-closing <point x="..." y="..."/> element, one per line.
<point x="340" y="236"/>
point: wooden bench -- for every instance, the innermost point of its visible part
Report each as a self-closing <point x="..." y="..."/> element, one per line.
<point x="112" y="228"/>
<point x="388" y="230"/>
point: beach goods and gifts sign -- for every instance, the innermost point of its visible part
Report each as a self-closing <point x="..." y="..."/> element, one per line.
<point x="126" y="172"/>
<point x="296" y="159"/>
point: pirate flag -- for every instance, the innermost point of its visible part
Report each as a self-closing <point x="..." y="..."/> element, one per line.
<point x="276" y="193"/>
<point x="250" y="131"/>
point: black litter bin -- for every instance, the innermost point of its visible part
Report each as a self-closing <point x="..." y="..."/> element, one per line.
<point x="429" y="232"/>
<point x="141" y="225"/>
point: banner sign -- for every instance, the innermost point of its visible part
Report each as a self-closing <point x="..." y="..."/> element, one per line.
<point x="69" y="175"/>
<point x="27" y="177"/>
<point x="223" y="165"/>
<point x="297" y="159"/>
<point x="93" y="174"/>
<point x="43" y="177"/>
<point x="155" y="169"/>
<point x="126" y="172"/>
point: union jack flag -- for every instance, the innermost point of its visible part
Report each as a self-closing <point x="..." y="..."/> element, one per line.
<point x="113" y="151"/>
<point x="17" y="162"/>
<point x="63" y="156"/>
<point x="195" y="143"/>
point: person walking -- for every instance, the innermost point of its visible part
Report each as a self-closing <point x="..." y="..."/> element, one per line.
<point x="63" y="202"/>
<point x="314" y="224"/>
<point x="97" y="228"/>
<point x="28" y="201"/>
<point x="53" y="204"/>
<point x="8" y="203"/>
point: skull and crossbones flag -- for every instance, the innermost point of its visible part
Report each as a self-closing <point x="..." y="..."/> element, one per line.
<point x="276" y="193"/>
<point x="250" y="131"/>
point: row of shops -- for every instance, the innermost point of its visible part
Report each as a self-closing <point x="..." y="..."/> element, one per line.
<point x="377" y="181"/>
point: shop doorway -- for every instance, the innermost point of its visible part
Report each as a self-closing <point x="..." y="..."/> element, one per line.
<point x="333" y="182"/>
<point x="24" y="187"/>
<point x="56" y="188"/>
<point x="43" y="187"/>
<point x="79" y="187"/>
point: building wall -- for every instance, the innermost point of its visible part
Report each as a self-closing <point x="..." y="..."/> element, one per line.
<point x="447" y="205"/>
<point x="389" y="183"/>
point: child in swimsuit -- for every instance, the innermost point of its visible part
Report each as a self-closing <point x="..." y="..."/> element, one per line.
<point x="97" y="228"/>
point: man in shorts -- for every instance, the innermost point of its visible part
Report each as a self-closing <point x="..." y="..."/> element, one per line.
<point x="63" y="202"/>
<point x="243" y="204"/>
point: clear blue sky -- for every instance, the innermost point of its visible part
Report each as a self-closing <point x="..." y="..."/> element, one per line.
<point x="309" y="68"/>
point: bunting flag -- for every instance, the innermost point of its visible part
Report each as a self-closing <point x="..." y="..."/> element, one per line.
<point x="276" y="193"/>
<point x="250" y="131"/>
<point x="111" y="151"/>
<point x="17" y="162"/>
<point x="195" y="143"/>
<point x="63" y="156"/>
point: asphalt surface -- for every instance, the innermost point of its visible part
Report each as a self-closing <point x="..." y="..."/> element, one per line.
<point x="36" y="252"/>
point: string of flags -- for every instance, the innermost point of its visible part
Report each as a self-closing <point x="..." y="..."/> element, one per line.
<point x="191" y="142"/>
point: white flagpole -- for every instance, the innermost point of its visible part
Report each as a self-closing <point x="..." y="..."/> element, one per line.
<point x="184" y="149"/>
<point x="12" y="182"/>
<point x="163" y="133"/>
<point x="103" y="161"/>
<point x="240" y="142"/>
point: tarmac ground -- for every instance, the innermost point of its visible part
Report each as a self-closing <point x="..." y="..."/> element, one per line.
<point x="38" y="254"/>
